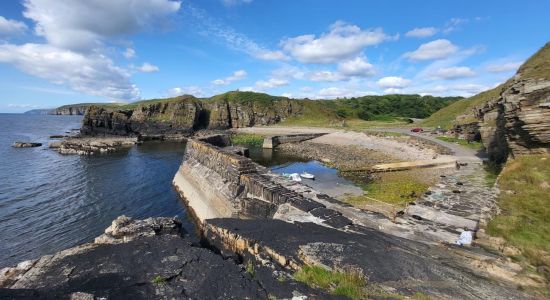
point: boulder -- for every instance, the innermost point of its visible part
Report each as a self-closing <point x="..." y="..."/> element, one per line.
<point x="26" y="144"/>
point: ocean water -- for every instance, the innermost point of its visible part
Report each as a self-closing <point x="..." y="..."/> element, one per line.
<point x="49" y="202"/>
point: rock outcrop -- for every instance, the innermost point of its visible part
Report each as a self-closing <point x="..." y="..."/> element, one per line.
<point x="25" y="144"/>
<point x="179" y="117"/>
<point x="143" y="259"/>
<point x="70" y="110"/>
<point x="517" y="120"/>
<point x="88" y="146"/>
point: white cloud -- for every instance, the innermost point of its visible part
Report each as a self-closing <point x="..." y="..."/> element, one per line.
<point x="91" y="74"/>
<point x="471" y="88"/>
<point x="504" y="67"/>
<point x="10" y="27"/>
<point x="337" y="92"/>
<point x="237" y="75"/>
<point x="341" y="42"/>
<point x="188" y="90"/>
<point x="81" y="25"/>
<point x="235" y="2"/>
<point x="324" y="76"/>
<point x="454" y="24"/>
<point x="220" y="32"/>
<point x="271" y="55"/>
<point x="437" y="49"/>
<point x="16" y="105"/>
<point x="288" y="95"/>
<point x="129" y="53"/>
<point x="271" y="83"/>
<point x="421" y="32"/>
<point x="356" y="67"/>
<point x="148" y="68"/>
<point x="393" y="82"/>
<point x="393" y="91"/>
<point x="453" y="73"/>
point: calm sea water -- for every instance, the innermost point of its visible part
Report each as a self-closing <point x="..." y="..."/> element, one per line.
<point x="49" y="202"/>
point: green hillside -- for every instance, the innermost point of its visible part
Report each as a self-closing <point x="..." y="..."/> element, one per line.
<point x="446" y="117"/>
<point x="536" y="67"/>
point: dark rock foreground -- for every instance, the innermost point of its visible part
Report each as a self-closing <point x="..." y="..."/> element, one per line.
<point x="146" y="259"/>
<point x="397" y="265"/>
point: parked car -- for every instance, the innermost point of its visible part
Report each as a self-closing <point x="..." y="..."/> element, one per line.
<point x="417" y="129"/>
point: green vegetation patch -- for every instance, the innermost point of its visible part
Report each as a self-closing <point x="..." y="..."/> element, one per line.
<point x="396" y="188"/>
<point x="525" y="207"/>
<point x="538" y="65"/>
<point x="246" y="139"/>
<point x="158" y="280"/>
<point x="349" y="283"/>
<point x="447" y="116"/>
<point x="462" y="142"/>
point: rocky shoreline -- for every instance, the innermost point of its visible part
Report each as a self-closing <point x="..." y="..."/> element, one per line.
<point x="92" y="145"/>
<point x="145" y="259"/>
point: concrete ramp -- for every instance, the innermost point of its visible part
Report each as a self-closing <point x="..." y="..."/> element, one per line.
<point x="408" y="165"/>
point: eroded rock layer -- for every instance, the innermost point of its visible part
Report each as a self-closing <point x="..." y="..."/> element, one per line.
<point x="181" y="116"/>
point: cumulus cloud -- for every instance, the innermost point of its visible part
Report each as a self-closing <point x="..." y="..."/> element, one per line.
<point x="324" y="76"/>
<point x="271" y="55"/>
<point x="237" y="75"/>
<point x="341" y="42"/>
<point x="504" y="67"/>
<point x="81" y="25"/>
<point x="393" y="91"/>
<point x="188" y="90"/>
<point x="11" y="27"/>
<point x="129" y="53"/>
<point x="270" y="83"/>
<point x="393" y="82"/>
<point x="421" y="32"/>
<point x="148" y="68"/>
<point x="437" y="49"/>
<point x="453" y="73"/>
<point x="91" y="74"/>
<point x="75" y="34"/>
<point x="356" y="67"/>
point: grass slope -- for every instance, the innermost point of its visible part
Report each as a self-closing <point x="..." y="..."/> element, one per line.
<point x="446" y="117"/>
<point x="536" y="67"/>
<point x="525" y="207"/>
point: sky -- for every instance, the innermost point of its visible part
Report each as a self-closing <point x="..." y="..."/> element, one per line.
<point x="56" y="52"/>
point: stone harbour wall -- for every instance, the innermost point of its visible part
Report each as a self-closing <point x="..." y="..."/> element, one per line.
<point x="218" y="183"/>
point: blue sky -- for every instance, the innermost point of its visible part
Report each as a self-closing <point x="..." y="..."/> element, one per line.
<point x="55" y="52"/>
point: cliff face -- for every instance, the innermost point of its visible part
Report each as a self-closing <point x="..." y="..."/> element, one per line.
<point x="183" y="115"/>
<point x="70" y="110"/>
<point x="516" y="121"/>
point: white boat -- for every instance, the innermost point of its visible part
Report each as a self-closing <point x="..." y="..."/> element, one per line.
<point x="307" y="175"/>
<point x="295" y="177"/>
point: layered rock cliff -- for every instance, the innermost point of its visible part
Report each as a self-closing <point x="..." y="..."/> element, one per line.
<point x="182" y="115"/>
<point x="515" y="119"/>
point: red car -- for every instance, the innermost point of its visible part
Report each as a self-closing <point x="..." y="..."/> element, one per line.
<point x="418" y="129"/>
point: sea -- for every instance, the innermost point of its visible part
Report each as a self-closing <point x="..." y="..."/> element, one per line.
<point x="50" y="202"/>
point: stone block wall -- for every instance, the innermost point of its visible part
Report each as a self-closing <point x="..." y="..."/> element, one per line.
<point x="273" y="141"/>
<point x="242" y="185"/>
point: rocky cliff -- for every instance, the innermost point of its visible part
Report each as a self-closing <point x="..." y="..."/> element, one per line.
<point x="515" y="119"/>
<point x="69" y="110"/>
<point x="182" y="115"/>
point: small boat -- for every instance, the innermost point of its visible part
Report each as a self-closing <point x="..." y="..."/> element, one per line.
<point x="307" y="175"/>
<point x="292" y="176"/>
